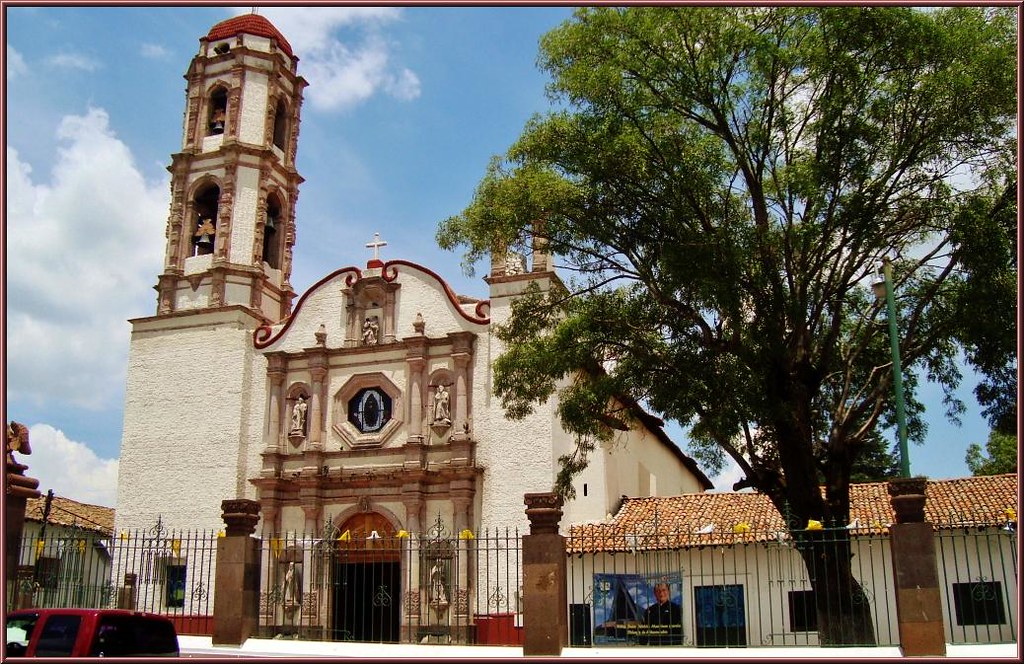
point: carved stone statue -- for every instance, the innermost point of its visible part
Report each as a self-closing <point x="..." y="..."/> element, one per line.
<point x="292" y="585"/>
<point x="438" y="596"/>
<point x="299" y="416"/>
<point x="371" y="328"/>
<point x="442" y="409"/>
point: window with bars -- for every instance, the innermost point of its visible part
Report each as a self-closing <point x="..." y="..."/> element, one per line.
<point x="979" y="603"/>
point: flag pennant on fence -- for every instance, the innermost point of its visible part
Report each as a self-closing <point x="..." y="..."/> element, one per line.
<point x="276" y="545"/>
<point x="345" y="537"/>
<point x="40" y="544"/>
<point x="176" y="547"/>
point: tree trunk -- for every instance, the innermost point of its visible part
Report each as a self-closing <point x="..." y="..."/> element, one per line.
<point x="843" y="607"/>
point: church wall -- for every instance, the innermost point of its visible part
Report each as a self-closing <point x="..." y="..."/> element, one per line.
<point x="186" y="417"/>
<point x="253" y="116"/>
<point x="516" y="454"/>
<point x="243" y="209"/>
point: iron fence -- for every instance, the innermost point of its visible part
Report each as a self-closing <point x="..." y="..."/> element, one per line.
<point x="978" y="579"/>
<point x="696" y="587"/>
<point x="762" y="588"/>
<point x="169" y="572"/>
<point x="434" y="587"/>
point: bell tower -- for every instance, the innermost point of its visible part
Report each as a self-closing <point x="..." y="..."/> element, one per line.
<point x="231" y="226"/>
<point x="194" y="393"/>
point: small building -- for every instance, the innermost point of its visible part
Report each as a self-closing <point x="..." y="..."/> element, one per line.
<point x="66" y="553"/>
<point x="739" y="579"/>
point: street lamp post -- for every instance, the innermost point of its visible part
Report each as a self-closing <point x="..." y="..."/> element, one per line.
<point x="897" y="370"/>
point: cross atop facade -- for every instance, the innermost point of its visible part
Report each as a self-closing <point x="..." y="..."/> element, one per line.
<point x="376" y="245"/>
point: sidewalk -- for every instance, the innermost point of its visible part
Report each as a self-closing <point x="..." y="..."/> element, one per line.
<point x="201" y="646"/>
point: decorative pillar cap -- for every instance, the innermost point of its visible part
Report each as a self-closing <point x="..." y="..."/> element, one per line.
<point x="907" y="496"/>
<point x="240" y="516"/>
<point x="544" y="511"/>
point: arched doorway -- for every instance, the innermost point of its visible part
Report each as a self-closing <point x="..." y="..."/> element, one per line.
<point x="367" y="580"/>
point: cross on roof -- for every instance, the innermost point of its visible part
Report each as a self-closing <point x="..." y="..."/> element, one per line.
<point x="376" y="245"/>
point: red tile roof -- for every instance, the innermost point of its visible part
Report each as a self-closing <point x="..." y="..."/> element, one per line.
<point x="252" y="24"/>
<point x="67" y="512"/>
<point x="678" y="521"/>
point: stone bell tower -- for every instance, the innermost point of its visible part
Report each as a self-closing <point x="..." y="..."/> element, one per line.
<point x="234" y="185"/>
<point x="195" y="386"/>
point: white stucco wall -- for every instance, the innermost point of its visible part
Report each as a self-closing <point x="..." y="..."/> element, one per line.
<point x="190" y="412"/>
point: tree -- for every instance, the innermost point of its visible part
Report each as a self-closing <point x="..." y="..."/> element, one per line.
<point x="1002" y="455"/>
<point x="722" y="185"/>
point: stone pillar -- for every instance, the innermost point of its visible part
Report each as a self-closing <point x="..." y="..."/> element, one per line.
<point x="275" y="432"/>
<point x="416" y="361"/>
<point x="318" y="369"/>
<point x="462" y="354"/>
<point x="460" y="519"/>
<point x="918" y="597"/>
<point x="312" y="525"/>
<point x="545" y="608"/>
<point x="236" y="600"/>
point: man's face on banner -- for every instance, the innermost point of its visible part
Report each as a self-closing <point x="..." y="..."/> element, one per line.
<point x="661" y="592"/>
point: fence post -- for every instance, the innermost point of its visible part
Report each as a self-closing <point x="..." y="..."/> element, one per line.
<point x="236" y="599"/>
<point x="918" y="600"/>
<point x="127" y="595"/>
<point x="545" y="621"/>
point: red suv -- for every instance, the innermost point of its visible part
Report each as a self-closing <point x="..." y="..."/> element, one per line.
<point x="89" y="633"/>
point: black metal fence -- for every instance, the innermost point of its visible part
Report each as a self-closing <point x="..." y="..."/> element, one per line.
<point x="169" y="572"/>
<point x="978" y="575"/>
<point x="435" y="587"/>
<point x="694" y="588"/>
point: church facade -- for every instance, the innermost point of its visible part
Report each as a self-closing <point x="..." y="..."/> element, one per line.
<point x="367" y="402"/>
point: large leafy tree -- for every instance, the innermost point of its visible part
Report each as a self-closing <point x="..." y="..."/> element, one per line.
<point x="721" y="185"/>
<point x="1002" y="455"/>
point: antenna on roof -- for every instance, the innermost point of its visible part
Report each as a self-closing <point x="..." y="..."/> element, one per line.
<point x="254" y="10"/>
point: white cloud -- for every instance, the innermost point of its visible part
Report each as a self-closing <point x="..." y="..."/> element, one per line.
<point x="343" y="73"/>
<point x="74" y="61"/>
<point x="155" y="52"/>
<point x="15" y="63"/>
<point x="83" y="251"/>
<point x="70" y="468"/>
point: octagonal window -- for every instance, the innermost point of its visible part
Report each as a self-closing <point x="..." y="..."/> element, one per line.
<point x="369" y="410"/>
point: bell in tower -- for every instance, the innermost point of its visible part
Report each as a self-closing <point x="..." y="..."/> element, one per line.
<point x="234" y="185"/>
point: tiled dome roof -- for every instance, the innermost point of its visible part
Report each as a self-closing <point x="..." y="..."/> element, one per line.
<point x="252" y="24"/>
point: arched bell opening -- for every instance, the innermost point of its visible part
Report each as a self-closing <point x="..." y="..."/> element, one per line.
<point x="273" y="232"/>
<point x="204" y="205"/>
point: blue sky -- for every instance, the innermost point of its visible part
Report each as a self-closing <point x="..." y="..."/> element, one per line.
<point x="404" y="109"/>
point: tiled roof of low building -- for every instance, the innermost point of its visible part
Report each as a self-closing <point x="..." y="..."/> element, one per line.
<point x="699" y="519"/>
<point x="67" y="512"/>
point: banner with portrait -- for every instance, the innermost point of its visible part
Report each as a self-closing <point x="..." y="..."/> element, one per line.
<point x="640" y="609"/>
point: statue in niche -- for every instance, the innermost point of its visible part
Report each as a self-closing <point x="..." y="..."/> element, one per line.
<point x="299" y="416"/>
<point x="442" y="408"/>
<point x="292" y="585"/>
<point x="371" y="328"/>
<point x="438" y="596"/>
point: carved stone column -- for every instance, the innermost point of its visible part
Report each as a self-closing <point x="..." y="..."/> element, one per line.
<point x="416" y="361"/>
<point x="313" y="515"/>
<point x="318" y="370"/>
<point x="462" y="499"/>
<point x="415" y="596"/>
<point x="545" y="610"/>
<point x="275" y="434"/>
<point x="462" y="354"/>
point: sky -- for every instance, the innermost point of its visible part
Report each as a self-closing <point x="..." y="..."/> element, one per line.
<point x="404" y="109"/>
